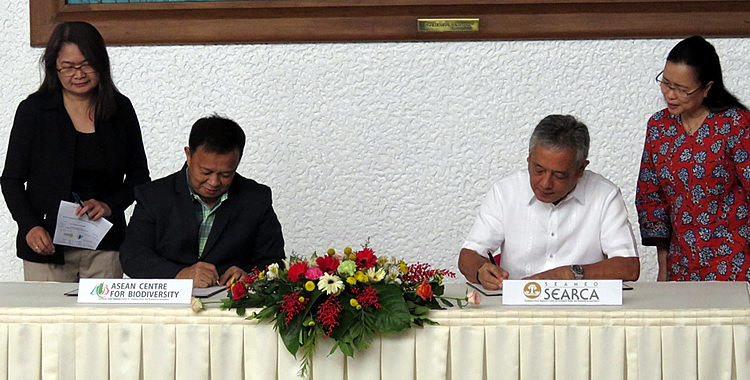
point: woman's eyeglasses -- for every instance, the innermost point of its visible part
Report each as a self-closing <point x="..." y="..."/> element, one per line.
<point x="666" y="86"/>
<point x="69" y="71"/>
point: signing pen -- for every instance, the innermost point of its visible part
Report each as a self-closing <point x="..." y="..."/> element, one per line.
<point x="492" y="257"/>
<point x="80" y="202"/>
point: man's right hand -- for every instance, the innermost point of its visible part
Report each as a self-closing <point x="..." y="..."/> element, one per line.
<point x="491" y="276"/>
<point x="203" y="274"/>
<point x="39" y="241"/>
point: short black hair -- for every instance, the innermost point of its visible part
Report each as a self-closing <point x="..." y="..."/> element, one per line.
<point x="216" y="134"/>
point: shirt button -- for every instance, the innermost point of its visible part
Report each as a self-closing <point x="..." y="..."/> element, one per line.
<point x="553" y="234"/>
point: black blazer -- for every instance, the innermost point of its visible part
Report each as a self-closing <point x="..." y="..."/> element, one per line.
<point x="39" y="168"/>
<point x="162" y="237"/>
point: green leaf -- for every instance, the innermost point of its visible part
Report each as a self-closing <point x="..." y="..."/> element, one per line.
<point x="446" y="302"/>
<point x="290" y="334"/>
<point x="419" y="310"/>
<point x="346" y="349"/>
<point x="393" y="316"/>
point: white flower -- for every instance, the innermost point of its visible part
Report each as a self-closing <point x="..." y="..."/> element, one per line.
<point x="473" y="297"/>
<point x="196" y="305"/>
<point x="330" y="284"/>
<point x="375" y="275"/>
<point x="273" y="271"/>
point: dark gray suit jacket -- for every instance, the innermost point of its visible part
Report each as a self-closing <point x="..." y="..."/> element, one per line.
<point x="162" y="236"/>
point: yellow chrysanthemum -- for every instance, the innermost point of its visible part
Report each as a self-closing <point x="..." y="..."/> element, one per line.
<point x="301" y="299"/>
<point x="403" y="267"/>
<point x="352" y="257"/>
<point x="309" y="286"/>
<point x="261" y="275"/>
<point x="361" y="276"/>
<point x="351" y="280"/>
<point x="359" y="307"/>
<point x="311" y="323"/>
<point x="353" y="302"/>
<point x="348" y="250"/>
<point x="331" y="251"/>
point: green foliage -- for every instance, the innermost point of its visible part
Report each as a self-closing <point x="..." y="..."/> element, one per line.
<point x="391" y="304"/>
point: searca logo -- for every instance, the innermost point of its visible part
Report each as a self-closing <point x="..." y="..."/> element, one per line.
<point x="532" y="290"/>
<point x="101" y="290"/>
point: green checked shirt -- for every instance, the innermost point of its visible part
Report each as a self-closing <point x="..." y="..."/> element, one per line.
<point x="205" y="215"/>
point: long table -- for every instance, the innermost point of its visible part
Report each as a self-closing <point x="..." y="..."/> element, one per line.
<point x="662" y="331"/>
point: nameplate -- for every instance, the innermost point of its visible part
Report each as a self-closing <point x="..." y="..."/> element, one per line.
<point x="99" y="290"/>
<point x="562" y="292"/>
<point x="448" y="25"/>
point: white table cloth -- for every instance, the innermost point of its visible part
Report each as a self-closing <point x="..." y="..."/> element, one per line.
<point x="662" y="331"/>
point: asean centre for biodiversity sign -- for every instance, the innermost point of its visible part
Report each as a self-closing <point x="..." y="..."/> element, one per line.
<point x="97" y="290"/>
<point x="562" y="292"/>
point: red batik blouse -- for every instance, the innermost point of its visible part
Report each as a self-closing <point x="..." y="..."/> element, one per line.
<point x="692" y="190"/>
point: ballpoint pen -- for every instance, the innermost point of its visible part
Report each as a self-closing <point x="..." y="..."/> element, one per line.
<point x="492" y="257"/>
<point x="80" y="202"/>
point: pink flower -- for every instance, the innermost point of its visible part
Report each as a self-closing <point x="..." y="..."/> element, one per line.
<point x="313" y="273"/>
<point x="473" y="297"/>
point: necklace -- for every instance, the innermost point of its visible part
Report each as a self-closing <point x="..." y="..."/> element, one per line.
<point x="691" y="127"/>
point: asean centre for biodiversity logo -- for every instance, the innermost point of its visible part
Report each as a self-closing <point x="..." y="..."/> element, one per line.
<point x="101" y="290"/>
<point x="532" y="290"/>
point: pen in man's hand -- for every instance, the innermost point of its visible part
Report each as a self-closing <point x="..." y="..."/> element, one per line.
<point x="80" y="202"/>
<point x="492" y="257"/>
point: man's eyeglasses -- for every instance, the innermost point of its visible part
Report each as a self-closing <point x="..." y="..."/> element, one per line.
<point x="666" y="86"/>
<point x="69" y="71"/>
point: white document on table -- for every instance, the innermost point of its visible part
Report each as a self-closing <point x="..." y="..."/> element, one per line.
<point x="78" y="231"/>
<point x="486" y="292"/>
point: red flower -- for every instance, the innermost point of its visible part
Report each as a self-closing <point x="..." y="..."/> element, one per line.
<point x="328" y="315"/>
<point x="366" y="258"/>
<point x="292" y="305"/>
<point x="421" y="271"/>
<point x="367" y="297"/>
<point x="327" y="264"/>
<point x="297" y="271"/>
<point x="424" y="290"/>
<point x="251" y="277"/>
<point x="238" y="290"/>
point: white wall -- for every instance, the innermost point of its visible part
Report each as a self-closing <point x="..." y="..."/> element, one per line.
<point x="394" y="141"/>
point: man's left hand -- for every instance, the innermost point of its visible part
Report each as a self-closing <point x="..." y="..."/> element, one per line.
<point x="233" y="272"/>
<point x="559" y="273"/>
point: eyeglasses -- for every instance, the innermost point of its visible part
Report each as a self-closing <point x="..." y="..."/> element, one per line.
<point x="69" y="71"/>
<point x="678" y="91"/>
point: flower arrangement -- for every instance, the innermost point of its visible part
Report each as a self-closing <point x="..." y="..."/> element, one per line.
<point x="347" y="296"/>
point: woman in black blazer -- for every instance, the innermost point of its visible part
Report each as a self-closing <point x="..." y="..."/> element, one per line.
<point x="76" y="134"/>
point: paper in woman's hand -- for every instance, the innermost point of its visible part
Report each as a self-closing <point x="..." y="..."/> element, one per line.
<point x="78" y="231"/>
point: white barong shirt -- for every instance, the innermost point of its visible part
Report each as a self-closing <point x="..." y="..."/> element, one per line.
<point x="589" y="225"/>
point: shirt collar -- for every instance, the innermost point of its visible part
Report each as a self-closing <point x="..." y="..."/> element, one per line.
<point x="578" y="193"/>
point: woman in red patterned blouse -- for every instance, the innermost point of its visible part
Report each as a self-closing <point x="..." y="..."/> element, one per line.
<point x="693" y="185"/>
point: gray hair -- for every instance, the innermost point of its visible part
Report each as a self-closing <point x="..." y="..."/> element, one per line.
<point x="562" y="132"/>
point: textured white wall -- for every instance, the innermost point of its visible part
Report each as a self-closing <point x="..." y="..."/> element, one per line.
<point x="394" y="141"/>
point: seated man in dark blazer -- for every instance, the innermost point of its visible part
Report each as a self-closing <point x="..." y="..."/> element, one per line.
<point x="205" y="222"/>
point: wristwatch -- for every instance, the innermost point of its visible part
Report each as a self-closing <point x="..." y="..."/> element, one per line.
<point x="577" y="271"/>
